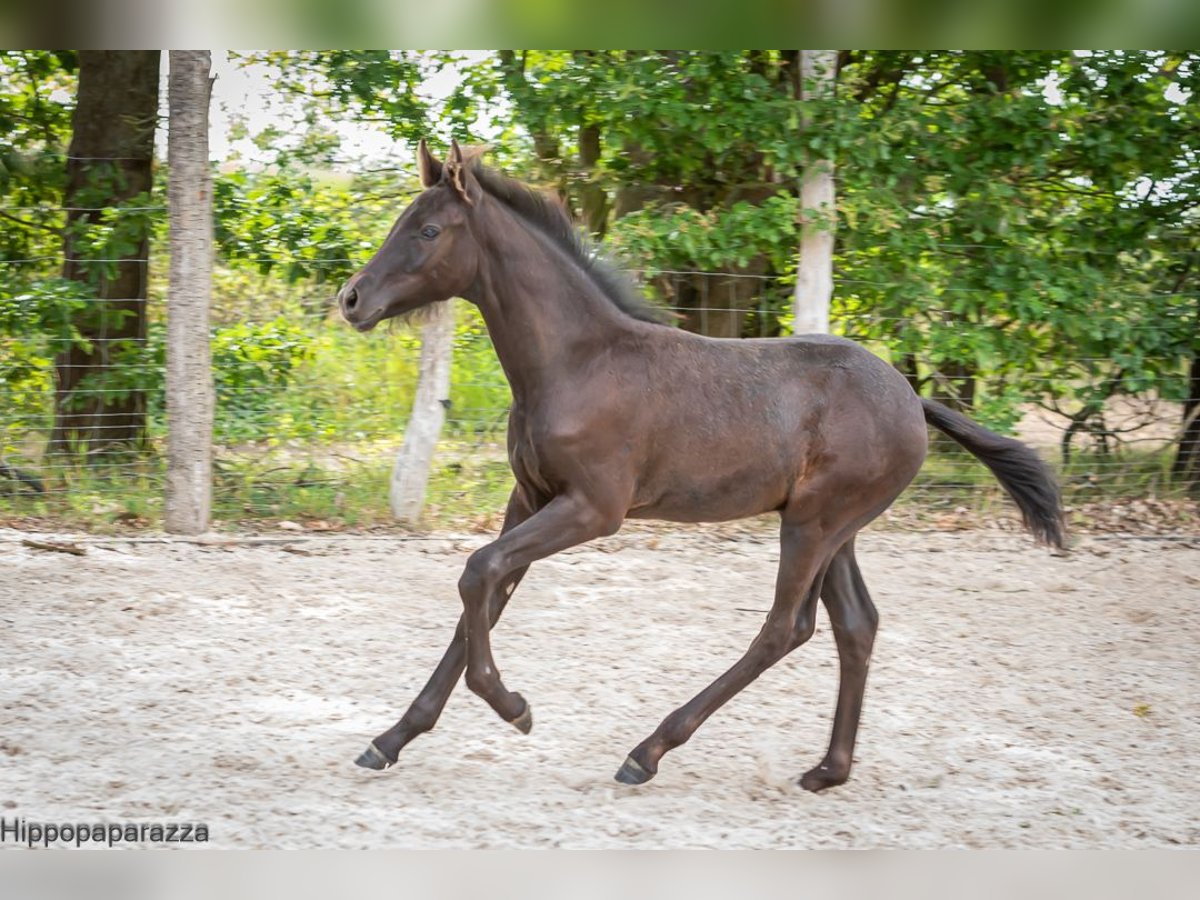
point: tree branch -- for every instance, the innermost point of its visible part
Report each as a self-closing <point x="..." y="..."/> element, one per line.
<point x="27" y="224"/>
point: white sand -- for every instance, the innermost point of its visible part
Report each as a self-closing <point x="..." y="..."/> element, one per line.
<point x="1016" y="699"/>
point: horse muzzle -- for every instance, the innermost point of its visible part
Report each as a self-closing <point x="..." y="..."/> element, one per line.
<point x="355" y="311"/>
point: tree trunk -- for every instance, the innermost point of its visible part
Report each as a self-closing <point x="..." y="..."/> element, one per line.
<point x="956" y="385"/>
<point x="593" y="199"/>
<point x="189" y="360"/>
<point x="814" y="275"/>
<point x="907" y="366"/>
<point x="1186" y="467"/>
<point x="545" y="145"/>
<point x="109" y="163"/>
<point x="714" y="305"/>
<point x="410" y="474"/>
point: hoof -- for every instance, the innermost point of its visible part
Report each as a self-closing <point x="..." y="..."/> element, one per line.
<point x="373" y="758"/>
<point x="822" y="778"/>
<point x="524" y="722"/>
<point x="632" y="772"/>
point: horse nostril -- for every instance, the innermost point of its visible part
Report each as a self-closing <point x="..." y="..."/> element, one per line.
<point x="350" y="300"/>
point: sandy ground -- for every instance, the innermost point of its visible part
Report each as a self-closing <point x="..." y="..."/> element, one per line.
<point x="1017" y="699"/>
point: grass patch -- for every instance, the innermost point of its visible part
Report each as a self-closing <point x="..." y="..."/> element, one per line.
<point x="346" y="486"/>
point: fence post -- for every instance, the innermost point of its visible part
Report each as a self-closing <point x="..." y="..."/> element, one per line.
<point x="189" y="370"/>
<point x="814" y="274"/>
<point x="410" y="474"/>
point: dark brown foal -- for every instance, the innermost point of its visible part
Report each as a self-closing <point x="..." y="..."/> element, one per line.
<point x="617" y="416"/>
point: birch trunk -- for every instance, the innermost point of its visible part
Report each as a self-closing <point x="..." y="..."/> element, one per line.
<point x="410" y="474"/>
<point x="814" y="276"/>
<point x="189" y="363"/>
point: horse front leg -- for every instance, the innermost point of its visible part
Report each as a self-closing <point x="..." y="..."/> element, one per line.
<point x="567" y="520"/>
<point x="425" y="710"/>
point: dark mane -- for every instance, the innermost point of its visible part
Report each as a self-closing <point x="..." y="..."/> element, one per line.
<point x="548" y="216"/>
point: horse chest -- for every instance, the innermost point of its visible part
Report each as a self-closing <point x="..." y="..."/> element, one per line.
<point x="551" y="448"/>
<point x="524" y="460"/>
<point x="531" y="452"/>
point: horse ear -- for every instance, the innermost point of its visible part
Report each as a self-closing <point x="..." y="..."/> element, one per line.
<point x="457" y="172"/>
<point x="428" y="166"/>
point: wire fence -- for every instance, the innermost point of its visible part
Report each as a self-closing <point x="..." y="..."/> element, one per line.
<point x="310" y="414"/>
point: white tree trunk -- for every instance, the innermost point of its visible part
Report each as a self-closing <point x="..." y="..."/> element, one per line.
<point x="410" y="474"/>
<point x="189" y="369"/>
<point x="814" y="275"/>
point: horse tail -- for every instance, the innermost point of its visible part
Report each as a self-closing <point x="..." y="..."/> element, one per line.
<point x="1022" y="473"/>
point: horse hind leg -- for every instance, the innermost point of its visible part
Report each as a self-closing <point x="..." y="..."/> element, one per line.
<point x="855" y="621"/>
<point x="790" y="622"/>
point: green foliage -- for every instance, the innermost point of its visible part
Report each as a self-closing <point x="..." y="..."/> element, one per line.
<point x="1009" y="221"/>
<point x="35" y="119"/>
<point x="253" y="369"/>
<point x="687" y="160"/>
<point x="1019" y="228"/>
<point x="284" y="223"/>
<point x="479" y="393"/>
<point x="33" y="322"/>
<point x="378" y="86"/>
<point x="680" y="237"/>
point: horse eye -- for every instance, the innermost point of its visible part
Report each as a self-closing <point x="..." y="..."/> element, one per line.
<point x="429" y="232"/>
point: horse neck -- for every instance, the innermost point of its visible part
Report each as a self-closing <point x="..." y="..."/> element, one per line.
<point x="545" y="315"/>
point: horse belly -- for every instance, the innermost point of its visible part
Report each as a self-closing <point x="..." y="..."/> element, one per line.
<point x="712" y="495"/>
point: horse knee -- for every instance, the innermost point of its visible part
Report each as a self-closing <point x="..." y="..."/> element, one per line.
<point x="483" y="571"/>
<point x="602" y="522"/>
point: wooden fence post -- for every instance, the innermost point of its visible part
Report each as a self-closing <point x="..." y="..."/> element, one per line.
<point x="814" y="275"/>
<point x="189" y="360"/>
<point x="410" y="474"/>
